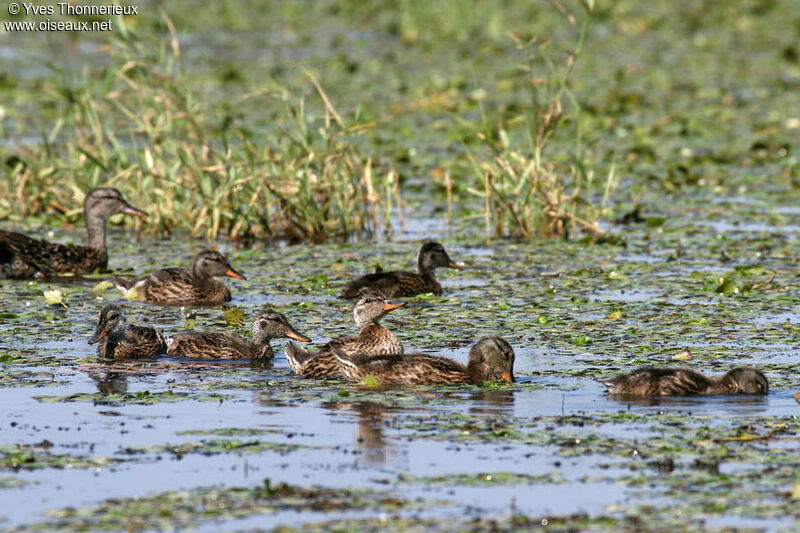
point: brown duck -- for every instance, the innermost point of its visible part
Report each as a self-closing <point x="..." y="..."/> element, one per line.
<point x="372" y="339"/>
<point x="121" y="340"/>
<point x="23" y="257"/>
<point x="395" y="284"/>
<point x="490" y="359"/>
<point x="267" y="326"/>
<point x="197" y="284"/>
<point x="650" y="381"/>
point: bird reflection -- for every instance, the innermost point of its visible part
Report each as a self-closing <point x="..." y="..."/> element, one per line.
<point x="110" y="382"/>
<point x="375" y="449"/>
<point x="492" y="401"/>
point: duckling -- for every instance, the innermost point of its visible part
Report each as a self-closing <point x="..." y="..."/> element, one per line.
<point x="395" y="284"/>
<point x="195" y="285"/>
<point x="490" y="359"/>
<point x="372" y="339"/>
<point x="122" y="340"/>
<point x="650" y="381"/>
<point x="22" y="257"/>
<point x="266" y="326"/>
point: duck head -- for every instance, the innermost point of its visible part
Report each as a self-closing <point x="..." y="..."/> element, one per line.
<point x="111" y="323"/>
<point x="491" y="359"/>
<point x="212" y="263"/>
<point x="746" y="381"/>
<point x="432" y="255"/>
<point x="370" y="306"/>
<point x="103" y="202"/>
<point x="272" y="324"/>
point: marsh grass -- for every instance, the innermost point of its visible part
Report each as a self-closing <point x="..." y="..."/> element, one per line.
<point x="528" y="190"/>
<point x="143" y="129"/>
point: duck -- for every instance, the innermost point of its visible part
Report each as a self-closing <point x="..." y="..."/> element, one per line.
<point x="266" y="326"/>
<point x="195" y="285"/>
<point x="490" y="359"/>
<point x="404" y="284"/>
<point x="121" y="340"/>
<point x="650" y="381"/>
<point x="22" y="257"/>
<point x="372" y="339"/>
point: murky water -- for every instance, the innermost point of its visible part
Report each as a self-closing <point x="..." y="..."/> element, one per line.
<point x="143" y="429"/>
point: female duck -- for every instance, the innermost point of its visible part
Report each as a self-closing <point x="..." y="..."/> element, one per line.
<point x="122" y="340"/>
<point x="490" y="359"/>
<point x="394" y="284"/>
<point x="23" y="257"/>
<point x="267" y="326"/>
<point x="650" y="381"/>
<point x="372" y="339"/>
<point x="195" y="285"/>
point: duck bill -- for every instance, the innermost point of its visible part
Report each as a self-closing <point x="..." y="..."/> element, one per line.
<point x="99" y="335"/>
<point x="452" y="264"/>
<point x="389" y="306"/>
<point x="234" y="274"/>
<point x="128" y="209"/>
<point x="507" y="376"/>
<point x="292" y="334"/>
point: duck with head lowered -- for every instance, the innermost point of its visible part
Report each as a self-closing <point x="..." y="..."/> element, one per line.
<point x="266" y="326"/>
<point x="652" y="381"/>
<point x="178" y="286"/>
<point x="22" y="257"/>
<point x="119" y="340"/>
<point x="372" y="339"/>
<point x="401" y="283"/>
<point x="490" y="359"/>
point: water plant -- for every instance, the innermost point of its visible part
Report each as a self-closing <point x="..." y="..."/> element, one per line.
<point x="147" y="131"/>
<point x="529" y="189"/>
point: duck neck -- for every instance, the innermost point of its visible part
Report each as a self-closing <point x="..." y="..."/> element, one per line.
<point x="478" y="372"/>
<point x="377" y="339"/>
<point x="427" y="272"/>
<point x="722" y="385"/>
<point x="96" y="230"/>
<point x="200" y="275"/>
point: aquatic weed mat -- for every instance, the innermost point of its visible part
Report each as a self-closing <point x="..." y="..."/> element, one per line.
<point x="188" y="509"/>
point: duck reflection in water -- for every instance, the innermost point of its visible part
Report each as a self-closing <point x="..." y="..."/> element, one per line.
<point x="374" y="448"/>
<point x="110" y="382"/>
<point x="492" y="402"/>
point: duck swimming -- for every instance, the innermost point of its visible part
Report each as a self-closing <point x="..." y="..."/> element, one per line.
<point x="22" y="257"/>
<point x="121" y="340"/>
<point x="395" y="284"/>
<point x="266" y="326"/>
<point x="372" y="339"/>
<point x="197" y="284"/>
<point x="490" y="359"/>
<point x="650" y="381"/>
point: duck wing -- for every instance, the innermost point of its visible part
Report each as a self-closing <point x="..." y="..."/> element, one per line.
<point x="390" y="284"/>
<point x="210" y="346"/>
<point x="410" y="369"/>
<point x="24" y="257"/>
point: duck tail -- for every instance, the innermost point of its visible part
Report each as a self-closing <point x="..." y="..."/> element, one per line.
<point x="297" y="356"/>
<point x="122" y="284"/>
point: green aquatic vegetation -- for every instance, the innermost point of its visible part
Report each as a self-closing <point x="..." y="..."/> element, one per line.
<point x="17" y="457"/>
<point x="217" y="446"/>
<point x="484" y="479"/>
<point x="185" y="509"/>
<point x="134" y="398"/>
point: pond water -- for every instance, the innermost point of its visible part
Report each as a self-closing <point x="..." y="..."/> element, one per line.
<point x="81" y="438"/>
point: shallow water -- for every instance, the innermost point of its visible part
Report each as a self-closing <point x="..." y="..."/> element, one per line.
<point x="551" y="445"/>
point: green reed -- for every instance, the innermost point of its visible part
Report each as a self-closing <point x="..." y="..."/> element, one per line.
<point x="527" y="188"/>
<point x="143" y="129"/>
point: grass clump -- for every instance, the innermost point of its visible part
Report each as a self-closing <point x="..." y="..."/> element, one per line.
<point x="529" y="190"/>
<point x="144" y="129"/>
